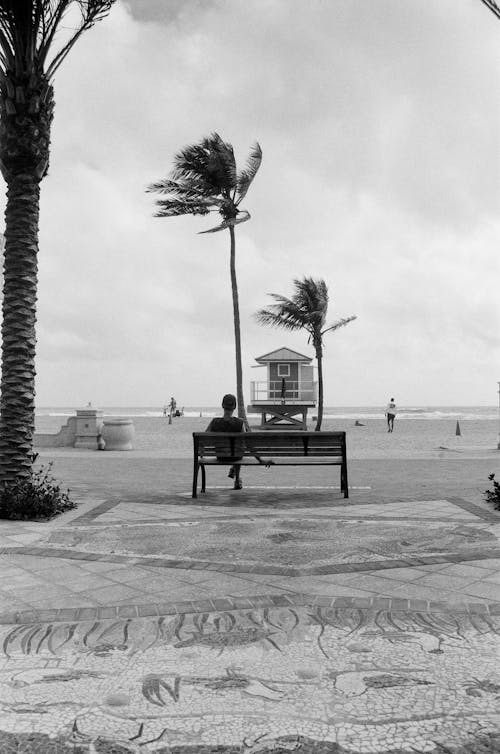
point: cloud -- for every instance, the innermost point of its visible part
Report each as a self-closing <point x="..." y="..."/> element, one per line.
<point x="380" y="174"/>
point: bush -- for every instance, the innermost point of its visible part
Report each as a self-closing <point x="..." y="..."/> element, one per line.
<point x="493" y="496"/>
<point x="38" y="497"/>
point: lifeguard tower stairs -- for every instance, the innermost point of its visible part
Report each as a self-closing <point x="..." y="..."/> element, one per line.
<point x="288" y="392"/>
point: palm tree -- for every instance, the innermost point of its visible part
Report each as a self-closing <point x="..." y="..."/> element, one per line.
<point x="305" y="310"/>
<point x="29" y="58"/>
<point x="205" y="179"/>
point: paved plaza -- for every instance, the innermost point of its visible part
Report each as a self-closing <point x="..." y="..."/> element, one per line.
<point x="278" y="618"/>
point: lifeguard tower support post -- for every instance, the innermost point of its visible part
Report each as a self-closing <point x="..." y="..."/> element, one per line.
<point x="288" y="391"/>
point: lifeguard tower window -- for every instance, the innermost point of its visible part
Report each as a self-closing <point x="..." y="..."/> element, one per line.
<point x="283" y="370"/>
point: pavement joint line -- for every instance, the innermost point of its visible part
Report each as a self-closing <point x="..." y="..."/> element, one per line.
<point x="233" y="602"/>
<point x="260" y="568"/>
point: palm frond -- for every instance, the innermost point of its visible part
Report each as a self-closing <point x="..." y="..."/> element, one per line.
<point x="246" y="176"/>
<point x="186" y="191"/>
<point x="176" y="207"/>
<point x="28" y="29"/>
<point x="242" y="217"/>
<point x="492" y="5"/>
<point x="340" y="323"/>
<point x="274" y="318"/>
<point x="211" y="163"/>
<point x="226" y="168"/>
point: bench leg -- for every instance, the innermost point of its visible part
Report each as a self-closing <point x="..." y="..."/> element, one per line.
<point x="343" y="477"/>
<point x="203" y="478"/>
<point x="195" y="479"/>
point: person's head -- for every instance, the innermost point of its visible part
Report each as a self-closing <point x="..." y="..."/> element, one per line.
<point x="392" y="400"/>
<point x="229" y="402"/>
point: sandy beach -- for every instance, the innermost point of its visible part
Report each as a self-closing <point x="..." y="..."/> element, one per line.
<point x="416" y="435"/>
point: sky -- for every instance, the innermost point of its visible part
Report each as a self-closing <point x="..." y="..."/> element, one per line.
<point x="379" y="125"/>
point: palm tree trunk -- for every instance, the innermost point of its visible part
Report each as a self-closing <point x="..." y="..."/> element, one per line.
<point x="319" y="359"/>
<point x="17" y="402"/>
<point x="237" y="333"/>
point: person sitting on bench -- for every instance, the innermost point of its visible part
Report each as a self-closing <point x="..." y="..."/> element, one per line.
<point x="229" y="423"/>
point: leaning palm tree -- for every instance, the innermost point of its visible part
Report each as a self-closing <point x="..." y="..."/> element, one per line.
<point x="35" y="37"/>
<point x="205" y="179"/>
<point x="305" y="310"/>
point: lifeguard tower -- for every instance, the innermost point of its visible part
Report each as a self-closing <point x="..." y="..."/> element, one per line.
<point x="288" y="391"/>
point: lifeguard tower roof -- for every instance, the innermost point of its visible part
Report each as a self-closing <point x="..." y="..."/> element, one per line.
<point x="283" y="354"/>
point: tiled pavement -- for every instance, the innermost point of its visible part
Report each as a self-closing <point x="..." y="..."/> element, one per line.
<point x="309" y="624"/>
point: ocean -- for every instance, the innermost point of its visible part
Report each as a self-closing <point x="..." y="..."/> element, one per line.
<point x="419" y="431"/>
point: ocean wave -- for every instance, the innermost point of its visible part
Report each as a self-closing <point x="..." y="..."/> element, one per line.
<point x="468" y="413"/>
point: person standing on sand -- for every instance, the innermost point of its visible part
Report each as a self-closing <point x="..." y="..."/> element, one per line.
<point x="390" y="413"/>
<point x="229" y="423"/>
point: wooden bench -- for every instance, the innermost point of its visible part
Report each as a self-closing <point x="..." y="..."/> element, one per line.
<point x="292" y="448"/>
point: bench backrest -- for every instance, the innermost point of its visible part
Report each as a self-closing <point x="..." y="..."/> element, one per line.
<point x="270" y="443"/>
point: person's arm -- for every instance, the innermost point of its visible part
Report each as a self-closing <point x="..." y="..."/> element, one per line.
<point x="257" y="456"/>
<point x="209" y="428"/>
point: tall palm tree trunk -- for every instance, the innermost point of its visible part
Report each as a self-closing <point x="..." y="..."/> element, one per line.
<point x="319" y="358"/>
<point x="26" y="111"/>
<point x="237" y="332"/>
<point x="17" y="402"/>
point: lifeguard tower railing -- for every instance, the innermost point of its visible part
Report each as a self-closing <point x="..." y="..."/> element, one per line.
<point x="284" y="390"/>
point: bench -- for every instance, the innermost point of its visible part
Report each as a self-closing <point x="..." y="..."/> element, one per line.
<point x="280" y="448"/>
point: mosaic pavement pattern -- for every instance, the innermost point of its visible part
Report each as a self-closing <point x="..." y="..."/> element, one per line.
<point x="263" y="675"/>
<point x="309" y="679"/>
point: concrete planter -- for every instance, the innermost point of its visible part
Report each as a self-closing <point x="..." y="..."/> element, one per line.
<point x="118" y="434"/>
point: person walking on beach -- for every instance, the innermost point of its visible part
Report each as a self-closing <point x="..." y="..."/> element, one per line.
<point x="229" y="423"/>
<point x="390" y="413"/>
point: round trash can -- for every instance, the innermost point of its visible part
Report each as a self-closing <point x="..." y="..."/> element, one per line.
<point x="118" y="434"/>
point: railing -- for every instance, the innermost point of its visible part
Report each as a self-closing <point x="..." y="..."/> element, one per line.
<point x="283" y="391"/>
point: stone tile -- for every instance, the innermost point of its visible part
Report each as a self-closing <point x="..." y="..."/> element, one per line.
<point x="65" y="571"/>
<point x="172" y="588"/>
<point x="493" y="578"/>
<point x="32" y="591"/>
<point x="400" y="574"/>
<point x="416" y="592"/>
<point x="110" y="595"/>
<point x="86" y="582"/>
<point x="63" y="601"/>
<point x="374" y="583"/>
<point x="443" y="580"/>
<point x="433" y="567"/>
<point x="465" y="570"/>
<point x="492" y="564"/>
<point x="483" y="589"/>
<point x="127" y="574"/>
<point x="95" y="566"/>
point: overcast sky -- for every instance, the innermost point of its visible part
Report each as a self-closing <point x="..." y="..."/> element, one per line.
<point x="379" y="123"/>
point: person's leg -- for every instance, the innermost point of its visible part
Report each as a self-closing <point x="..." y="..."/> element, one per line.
<point x="237" y="481"/>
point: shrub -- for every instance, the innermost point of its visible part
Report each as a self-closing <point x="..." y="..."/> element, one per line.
<point x="493" y="496"/>
<point x="38" y="497"/>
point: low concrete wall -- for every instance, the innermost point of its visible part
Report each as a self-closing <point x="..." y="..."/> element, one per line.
<point x="65" y="436"/>
<point x="80" y="431"/>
